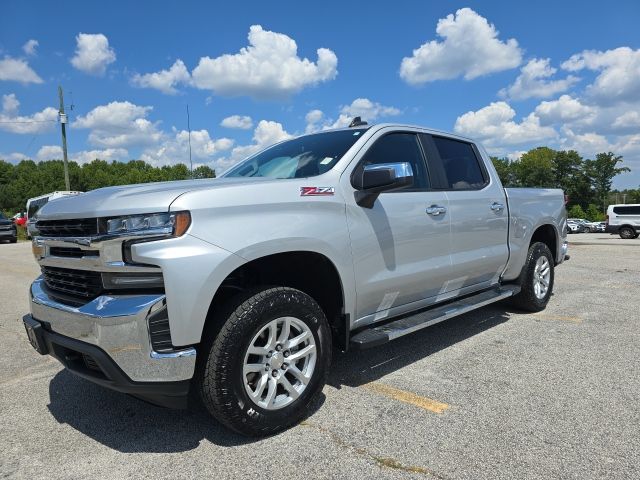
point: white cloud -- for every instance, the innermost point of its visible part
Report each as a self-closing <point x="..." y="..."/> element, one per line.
<point x="10" y="103"/>
<point x="54" y="152"/>
<point x="17" y="70"/>
<point x="268" y="68"/>
<point x="242" y="122"/>
<point x="534" y="81"/>
<point x="108" y="154"/>
<point x="494" y="125"/>
<point x="93" y="53"/>
<point x="361" y="107"/>
<point x="628" y="120"/>
<point x="266" y="133"/>
<point x="49" y="152"/>
<point x="13" y="157"/>
<point x="585" y="143"/>
<point x="470" y="48"/>
<point x="313" y="119"/>
<point x="564" y="109"/>
<point x="165" y="80"/>
<point x="176" y="148"/>
<point x="119" y="125"/>
<point x="30" y="47"/>
<point x="619" y="73"/>
<point x="38" y="122"/>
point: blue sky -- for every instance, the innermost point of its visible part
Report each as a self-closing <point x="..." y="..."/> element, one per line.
<point x="513" y="75"/>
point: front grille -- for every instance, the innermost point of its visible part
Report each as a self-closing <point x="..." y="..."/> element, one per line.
<point x="6" y="227"/>
<point x="76" y="283"/>
<point x="77" y="227"/>
<point x="72" y="252"/>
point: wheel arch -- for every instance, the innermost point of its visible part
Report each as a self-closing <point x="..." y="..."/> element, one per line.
<point x="311" y="272"/>
<point x="547" y="234"/>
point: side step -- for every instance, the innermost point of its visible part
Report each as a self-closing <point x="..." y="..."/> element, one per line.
<point x="374" y="336"/>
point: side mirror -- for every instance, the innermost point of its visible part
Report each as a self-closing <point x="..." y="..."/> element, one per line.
<point x="378" y="178"/>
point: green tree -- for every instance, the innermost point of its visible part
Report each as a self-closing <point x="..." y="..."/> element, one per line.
<point x="535" y="168"/>
<point x="576" y="211"/>
<point x="601" y="173"/>
<point x="505" y="171"/>
<point x="594" y="214"/>
<point x="204" y="172"/>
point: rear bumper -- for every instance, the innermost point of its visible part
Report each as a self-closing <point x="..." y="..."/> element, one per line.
<point x="117" y="326"/>
<point x="94" y="364"/>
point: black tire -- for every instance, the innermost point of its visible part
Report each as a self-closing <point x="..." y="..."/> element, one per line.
<point x="527" y="299"/>
<point x="14" y="240"/>
<point x="587" y="230"/>
<point x="220" y="379"/>
<point x="627" y="233"/>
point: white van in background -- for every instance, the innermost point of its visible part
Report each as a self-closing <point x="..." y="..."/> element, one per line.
<point x="36" y="203"/>
<point x="624" y="220"/>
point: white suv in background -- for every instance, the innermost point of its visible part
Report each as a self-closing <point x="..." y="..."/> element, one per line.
<point x="624" y="220"/>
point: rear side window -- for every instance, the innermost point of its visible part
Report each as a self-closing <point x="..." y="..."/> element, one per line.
<point x="397" y="148"/>
<point x="627" y="210"/>
<point x="460" y="163"/>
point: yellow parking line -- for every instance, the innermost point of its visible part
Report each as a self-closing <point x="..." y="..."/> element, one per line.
<point x="407" y="397"/>
<point x="561" y="318"/>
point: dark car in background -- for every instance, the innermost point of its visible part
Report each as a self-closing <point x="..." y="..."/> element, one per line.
<point x="8" y="229"/>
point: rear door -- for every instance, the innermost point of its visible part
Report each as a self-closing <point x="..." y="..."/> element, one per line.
<point x="478" y="214"/>
<point x="400" y="252"/>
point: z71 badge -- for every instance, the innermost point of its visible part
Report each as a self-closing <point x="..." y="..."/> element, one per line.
<point x="316" y="191"/>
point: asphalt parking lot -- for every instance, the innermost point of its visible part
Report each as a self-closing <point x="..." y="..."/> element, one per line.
<point x="492" y="394"/>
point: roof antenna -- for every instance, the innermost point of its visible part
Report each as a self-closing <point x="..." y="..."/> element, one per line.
<point x="189" y="128"/>
<point x="357" y="122"/>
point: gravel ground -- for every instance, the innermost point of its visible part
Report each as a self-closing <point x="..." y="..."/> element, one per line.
<point x="550" y="395"/>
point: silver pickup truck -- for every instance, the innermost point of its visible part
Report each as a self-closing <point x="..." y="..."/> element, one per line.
<point x="234" y="291"/>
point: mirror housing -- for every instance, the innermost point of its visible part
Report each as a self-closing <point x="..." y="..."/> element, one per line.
<point x="382" y="177"/>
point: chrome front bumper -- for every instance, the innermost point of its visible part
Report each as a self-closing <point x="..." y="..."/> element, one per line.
<point x="118" y="325"/>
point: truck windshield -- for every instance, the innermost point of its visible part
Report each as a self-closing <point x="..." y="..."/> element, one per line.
<point x="306" y="156"/>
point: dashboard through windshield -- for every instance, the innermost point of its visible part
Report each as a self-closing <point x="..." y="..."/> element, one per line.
<point x="302" y="157"/>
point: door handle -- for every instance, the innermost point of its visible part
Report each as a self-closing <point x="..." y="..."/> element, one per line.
<point x="497" y="207"/>
<point x="436" y="210"/>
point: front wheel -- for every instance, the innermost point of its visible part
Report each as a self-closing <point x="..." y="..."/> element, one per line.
<point x="268" y="364"/>
<point x="536" y="279"/>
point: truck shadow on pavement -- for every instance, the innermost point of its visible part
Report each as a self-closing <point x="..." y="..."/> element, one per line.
<point x="129" y="425"/>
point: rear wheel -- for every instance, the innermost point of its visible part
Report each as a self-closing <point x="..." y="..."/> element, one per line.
<point x="267" y="366"/>
<point x="536" y="279"/>
<point x="627" y="232"/>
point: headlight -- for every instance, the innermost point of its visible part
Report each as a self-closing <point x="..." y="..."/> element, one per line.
<point x="167" y="223"/>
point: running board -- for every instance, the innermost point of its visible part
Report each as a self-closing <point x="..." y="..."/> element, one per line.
<point x="374" y="336"/>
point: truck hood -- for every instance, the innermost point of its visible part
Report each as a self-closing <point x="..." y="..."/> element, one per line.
<point x="133" y="199"/>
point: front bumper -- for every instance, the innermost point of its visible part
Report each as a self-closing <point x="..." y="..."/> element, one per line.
<point x="117" y="326"/>
<point x="10" y="233"/>
<point x="94" y="364"/>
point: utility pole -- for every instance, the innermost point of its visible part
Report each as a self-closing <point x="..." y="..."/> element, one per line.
<point x="63" y="123"/>
<point x="189" y="128"/>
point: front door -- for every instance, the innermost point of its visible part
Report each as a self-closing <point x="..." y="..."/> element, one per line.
<point x="400" y="252"/>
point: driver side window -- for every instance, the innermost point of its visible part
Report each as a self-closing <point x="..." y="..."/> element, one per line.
<point x="397" y="148"/>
